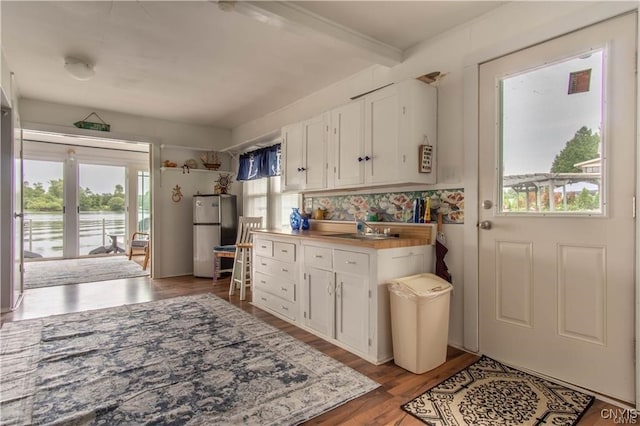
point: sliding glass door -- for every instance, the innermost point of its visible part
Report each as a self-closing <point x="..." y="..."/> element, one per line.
<point x="83" y="201"/>
<point x="102" y="205"/>
<point x="43" y="190"/>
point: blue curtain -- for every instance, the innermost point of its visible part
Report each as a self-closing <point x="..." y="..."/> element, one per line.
<point x="264" y="162"/>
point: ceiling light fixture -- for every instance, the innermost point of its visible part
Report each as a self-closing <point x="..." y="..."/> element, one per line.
<point x="79" y="69"/>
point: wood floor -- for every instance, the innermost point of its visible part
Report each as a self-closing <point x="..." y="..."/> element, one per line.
<point x="379" y="407"/>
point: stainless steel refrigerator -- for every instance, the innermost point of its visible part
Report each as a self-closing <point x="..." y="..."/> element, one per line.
<point x="215" y="223"/>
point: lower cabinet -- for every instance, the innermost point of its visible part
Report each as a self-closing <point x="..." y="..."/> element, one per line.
<point x="352" y="316"/>
<point x="343" y="296"/>
<point x="336" y="303"/>
<point x="275" y="276"/>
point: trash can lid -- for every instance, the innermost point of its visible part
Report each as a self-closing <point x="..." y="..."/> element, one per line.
<point x="424" y="284"/>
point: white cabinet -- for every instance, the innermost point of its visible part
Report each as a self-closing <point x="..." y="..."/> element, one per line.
<point x="319" y="304"/>
<point x="338" y="292"/>
<point x="292" y="157"/>
<point x="305" y="154"/>
<point x="337" y="295"/>
<point x="352" y="310"/>
<point x="347" y="135"/>
<point x="376" y="139"/>
<point x="275" y="276"/>
<point x="345" y="296"/>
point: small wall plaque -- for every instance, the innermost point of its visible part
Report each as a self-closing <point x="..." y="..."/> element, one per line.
<point x="425" y="157"/>
<point x="84" y="124"/>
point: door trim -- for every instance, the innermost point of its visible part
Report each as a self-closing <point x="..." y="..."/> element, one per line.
<point x="592" y="15"/>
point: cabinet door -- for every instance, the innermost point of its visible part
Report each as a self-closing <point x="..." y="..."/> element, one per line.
<point x="319" y="300"/>
<point x="292" y="178"/>
<point x="314" y="155"/>
<point x="347" y="134"/>
<point x="352" y="310"/>
<point x="381" y="123"/>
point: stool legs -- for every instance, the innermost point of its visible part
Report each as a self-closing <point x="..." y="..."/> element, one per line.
<point x="241" y="275"/>
<point x="232" y="283"/>
<point x="244" y="274"/>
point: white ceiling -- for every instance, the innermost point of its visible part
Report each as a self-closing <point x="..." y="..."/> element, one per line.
<point x="189" y="61"/>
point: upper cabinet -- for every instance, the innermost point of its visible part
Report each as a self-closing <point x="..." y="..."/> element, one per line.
<point x="374" y="140"/>
<point x="347" y="138"/>
<point x="394" y="122"/>
<point x="305" y="154"/>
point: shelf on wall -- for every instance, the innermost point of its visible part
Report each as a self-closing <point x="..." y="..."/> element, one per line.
<point x="162" y="169"/>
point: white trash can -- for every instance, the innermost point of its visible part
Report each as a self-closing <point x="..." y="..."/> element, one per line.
<point x="419" y="321"/>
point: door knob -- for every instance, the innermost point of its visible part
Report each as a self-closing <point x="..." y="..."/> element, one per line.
<point x="485" y="224"/>
<point x="487" y="204"/>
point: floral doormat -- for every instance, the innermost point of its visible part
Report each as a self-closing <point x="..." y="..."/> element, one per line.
<point x="490" y="393"/>
<point x="195" y="360"/>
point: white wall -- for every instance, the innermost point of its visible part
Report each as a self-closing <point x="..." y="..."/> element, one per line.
<point x="173" y="253"/>
<point x="172" y="224"/>
<point x="507" y="28"/>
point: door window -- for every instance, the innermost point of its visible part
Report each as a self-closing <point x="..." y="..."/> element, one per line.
<point x="551" y="138"/>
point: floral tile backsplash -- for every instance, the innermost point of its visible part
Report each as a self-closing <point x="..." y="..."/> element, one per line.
<point x="389" y="206"/>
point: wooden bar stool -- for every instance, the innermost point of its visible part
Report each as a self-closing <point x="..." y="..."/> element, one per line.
<point x="241" y="252"/>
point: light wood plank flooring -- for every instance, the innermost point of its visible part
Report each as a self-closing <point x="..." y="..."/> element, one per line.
<point x="379" y="407"/>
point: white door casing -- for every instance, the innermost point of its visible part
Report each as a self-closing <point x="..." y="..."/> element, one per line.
<point x="556" y="294"/>
<point x="18" y="234"/>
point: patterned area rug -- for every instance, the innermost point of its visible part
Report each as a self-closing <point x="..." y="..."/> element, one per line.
<point x="490" y="393"/>
<point x="193" y="360"/>
<point x="49" y="273"/>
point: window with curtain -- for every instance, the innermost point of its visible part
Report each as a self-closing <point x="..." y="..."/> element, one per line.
<point x="262" y="197"/>
<point x="261" y="163"/>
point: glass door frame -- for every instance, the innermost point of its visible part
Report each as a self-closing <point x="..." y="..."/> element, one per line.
<point x="72" y="156"/>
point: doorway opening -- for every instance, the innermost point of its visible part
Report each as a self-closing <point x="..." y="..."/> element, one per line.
<point x="83" y="199"/>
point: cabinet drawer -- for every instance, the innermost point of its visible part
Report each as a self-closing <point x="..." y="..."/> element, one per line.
<point x="277" y="286"/>
<point x="263" y="282"/>
<point x="285" y="290"/>
<point x="319" y="257"/>
<point x="263" y="247"/>
<point x="276" y="304"/>
<point x="268" y="265"/>
<point x="351" y="262"/>
<point x="284" y="251"/>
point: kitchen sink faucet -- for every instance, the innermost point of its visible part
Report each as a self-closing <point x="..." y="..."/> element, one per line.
<point x="361" y="225"/>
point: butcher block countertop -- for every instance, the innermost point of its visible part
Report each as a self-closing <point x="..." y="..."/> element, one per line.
<point x="328" y="232"/>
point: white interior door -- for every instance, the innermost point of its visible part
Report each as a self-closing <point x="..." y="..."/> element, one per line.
<point x="556" y="188"/>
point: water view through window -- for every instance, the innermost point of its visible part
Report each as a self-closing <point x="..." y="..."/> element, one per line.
<point x="101" y="201"/>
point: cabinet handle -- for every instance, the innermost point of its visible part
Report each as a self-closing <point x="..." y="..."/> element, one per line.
<point x="284" y="251"/>
<point x="264" y="247"/>
<point x="360" y="159"/>
<point x="367" y="158"/>
<point x="285" y="308"/>
<point x="329" y="289"/>
<point x="263" y="282"/>
<point x="318" y="256"/>
<point x="350" y="262"/>
<point x="264" y="299"/>
<point x="284" y="270"/>
<point x="263" y="264"/>
<point x="410" y="254"/>
<point x="284" y="289"/>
